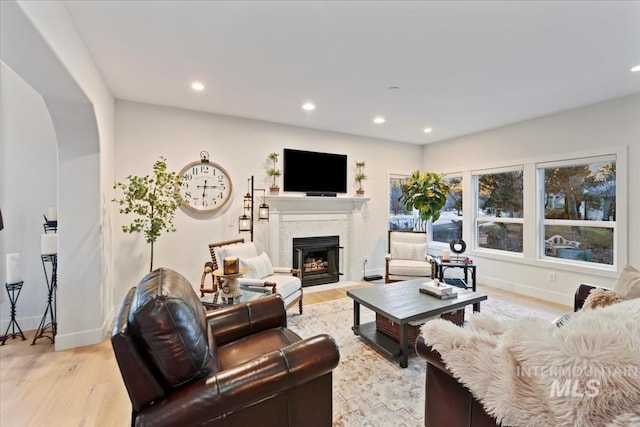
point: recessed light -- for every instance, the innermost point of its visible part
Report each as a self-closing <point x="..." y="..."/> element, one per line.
<point x="308" y="106"/>
<point x="636" y="68"/>
<point x="427" y="130"/>
<point x="197" y="86"/>
<point x="379" y="120"/>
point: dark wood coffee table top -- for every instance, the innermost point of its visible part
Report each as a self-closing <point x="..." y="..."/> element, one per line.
<point x="402" y="302"/>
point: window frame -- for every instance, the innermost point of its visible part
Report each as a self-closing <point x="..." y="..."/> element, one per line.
<point x="437" y="243"/>
<point x="477" y="219"/>
<point x="531" y="231"/>
<point x="541" y="221"/>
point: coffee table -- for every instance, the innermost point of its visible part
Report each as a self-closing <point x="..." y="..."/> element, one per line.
<point x="401" y="302"/>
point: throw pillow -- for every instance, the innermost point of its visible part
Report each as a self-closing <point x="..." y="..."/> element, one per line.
<point x="402" y="250"/>
<point x="628" y="284"/>
<point x="240" y="250"/>
<point x="258" y="267"/>
<point x="599" y="297"/>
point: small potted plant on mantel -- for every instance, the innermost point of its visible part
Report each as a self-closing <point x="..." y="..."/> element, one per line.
<point x="273" y="172"/>
<point x="360" y="176"/>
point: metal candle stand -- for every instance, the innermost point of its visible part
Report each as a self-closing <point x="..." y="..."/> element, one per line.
<point x="49" y="330"/>
<point x="48" y="325"/>
<point x="13" y="290"/>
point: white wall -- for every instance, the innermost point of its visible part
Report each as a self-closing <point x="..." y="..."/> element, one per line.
<point x="28" y="186"/>
<point x="40" y="42"/>
<point x="145" y="132"/>
<point x="605" y="125"/>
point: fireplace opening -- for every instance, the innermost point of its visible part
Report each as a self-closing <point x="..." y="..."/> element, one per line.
<point x="318" y="258"/>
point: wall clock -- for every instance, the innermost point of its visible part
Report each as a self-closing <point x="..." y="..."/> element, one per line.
<point x="206" y="186"/>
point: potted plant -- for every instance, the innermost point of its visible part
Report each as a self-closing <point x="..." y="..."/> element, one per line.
<point x="360" y="176"/>
<point x="426" y="193"/>
<point x="273" y="171"/>
<point x="153" y="200"/>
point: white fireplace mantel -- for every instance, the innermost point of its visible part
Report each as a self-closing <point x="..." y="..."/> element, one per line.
<point x="308" y="216"/>
<point x="311" y="204"/>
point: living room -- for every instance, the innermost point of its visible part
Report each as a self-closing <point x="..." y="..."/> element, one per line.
<point x="75" y="168"/>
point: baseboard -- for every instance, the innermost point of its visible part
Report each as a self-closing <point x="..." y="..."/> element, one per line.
<point x="530" y="291"/>
<point x="25" y="323"/>
<point x="87" y="337"/>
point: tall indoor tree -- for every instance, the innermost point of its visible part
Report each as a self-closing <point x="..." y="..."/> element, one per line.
<point x="153" y="200"/>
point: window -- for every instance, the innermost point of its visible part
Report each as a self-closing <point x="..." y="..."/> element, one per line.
<point x="499" y="219"/>
<point x="449" y="226"/>
<point x="399" y="218"/>
<point x="579" y="209"/>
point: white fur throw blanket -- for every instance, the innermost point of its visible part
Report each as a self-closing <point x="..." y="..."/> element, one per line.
<point x="528" y="372"/>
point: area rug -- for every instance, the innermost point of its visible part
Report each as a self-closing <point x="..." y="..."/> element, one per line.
<point x="370" y="390"/>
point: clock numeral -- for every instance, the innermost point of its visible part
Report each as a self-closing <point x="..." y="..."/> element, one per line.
<point x="220" y="196"/>
<point x="204" y="203"/>
<point x="204" y="169"/>
<point x="187" y="194"/>
<point x="194" y="171"/>
<point x="188" y="177"/>
<point x="184" y="185"/>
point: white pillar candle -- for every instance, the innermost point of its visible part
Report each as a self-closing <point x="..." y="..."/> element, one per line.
<point x="52" y="214"/>
<point x="446" y="254"/>
<point x="13" y="268"/>
<point x="49" y="244"/>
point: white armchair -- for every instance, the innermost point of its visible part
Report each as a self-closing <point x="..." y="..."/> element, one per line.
<point x="260" y="271"/>
<point x="407" y="256"/>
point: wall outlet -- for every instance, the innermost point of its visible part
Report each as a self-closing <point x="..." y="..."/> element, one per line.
<point x="552" y="277"/>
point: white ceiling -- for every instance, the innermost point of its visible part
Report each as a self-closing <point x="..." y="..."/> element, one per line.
<point x="461" y="67"/>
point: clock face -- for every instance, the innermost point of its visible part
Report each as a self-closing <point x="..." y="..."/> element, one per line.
<point x="206" y="186"/>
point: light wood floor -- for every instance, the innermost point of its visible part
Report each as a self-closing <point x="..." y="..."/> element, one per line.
<point x="83" y="386"/>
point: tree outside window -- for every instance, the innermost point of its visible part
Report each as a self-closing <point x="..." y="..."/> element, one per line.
<point x="399" y="217"/>
<point x="449" y="226"/>
<point x="580" y="210"/>
<point x="499" y="220"/>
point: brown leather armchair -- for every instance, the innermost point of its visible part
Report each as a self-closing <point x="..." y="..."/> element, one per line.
<point x="448" y="402"/>
<point x="234" y="366"/>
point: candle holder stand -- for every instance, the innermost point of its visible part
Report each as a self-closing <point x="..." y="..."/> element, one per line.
<point x="13" y="290"/>
<point x="48" y="326"/>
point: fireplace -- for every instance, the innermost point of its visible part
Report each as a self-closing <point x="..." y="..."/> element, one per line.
<point x="318" y="258"/>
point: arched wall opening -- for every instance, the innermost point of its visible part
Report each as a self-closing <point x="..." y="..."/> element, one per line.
<point x="81" y="314"/>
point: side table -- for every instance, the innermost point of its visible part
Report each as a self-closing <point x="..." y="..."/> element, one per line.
<point x="440" y="266"/>
<point x="231" y="288"/>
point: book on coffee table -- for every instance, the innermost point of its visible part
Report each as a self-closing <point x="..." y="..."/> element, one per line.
<point x="439" y="289"/>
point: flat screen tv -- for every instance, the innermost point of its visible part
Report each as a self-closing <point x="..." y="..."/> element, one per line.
<point x="314" y="173"/>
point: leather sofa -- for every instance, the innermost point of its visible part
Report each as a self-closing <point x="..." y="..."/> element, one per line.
<point x="234" y="366"/>
<point x="448" y="402"/>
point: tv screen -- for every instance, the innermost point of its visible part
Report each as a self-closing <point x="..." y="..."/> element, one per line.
<point x="313" y="172"/>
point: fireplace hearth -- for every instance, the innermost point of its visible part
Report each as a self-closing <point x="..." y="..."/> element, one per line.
<point x="318" y="258"/>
